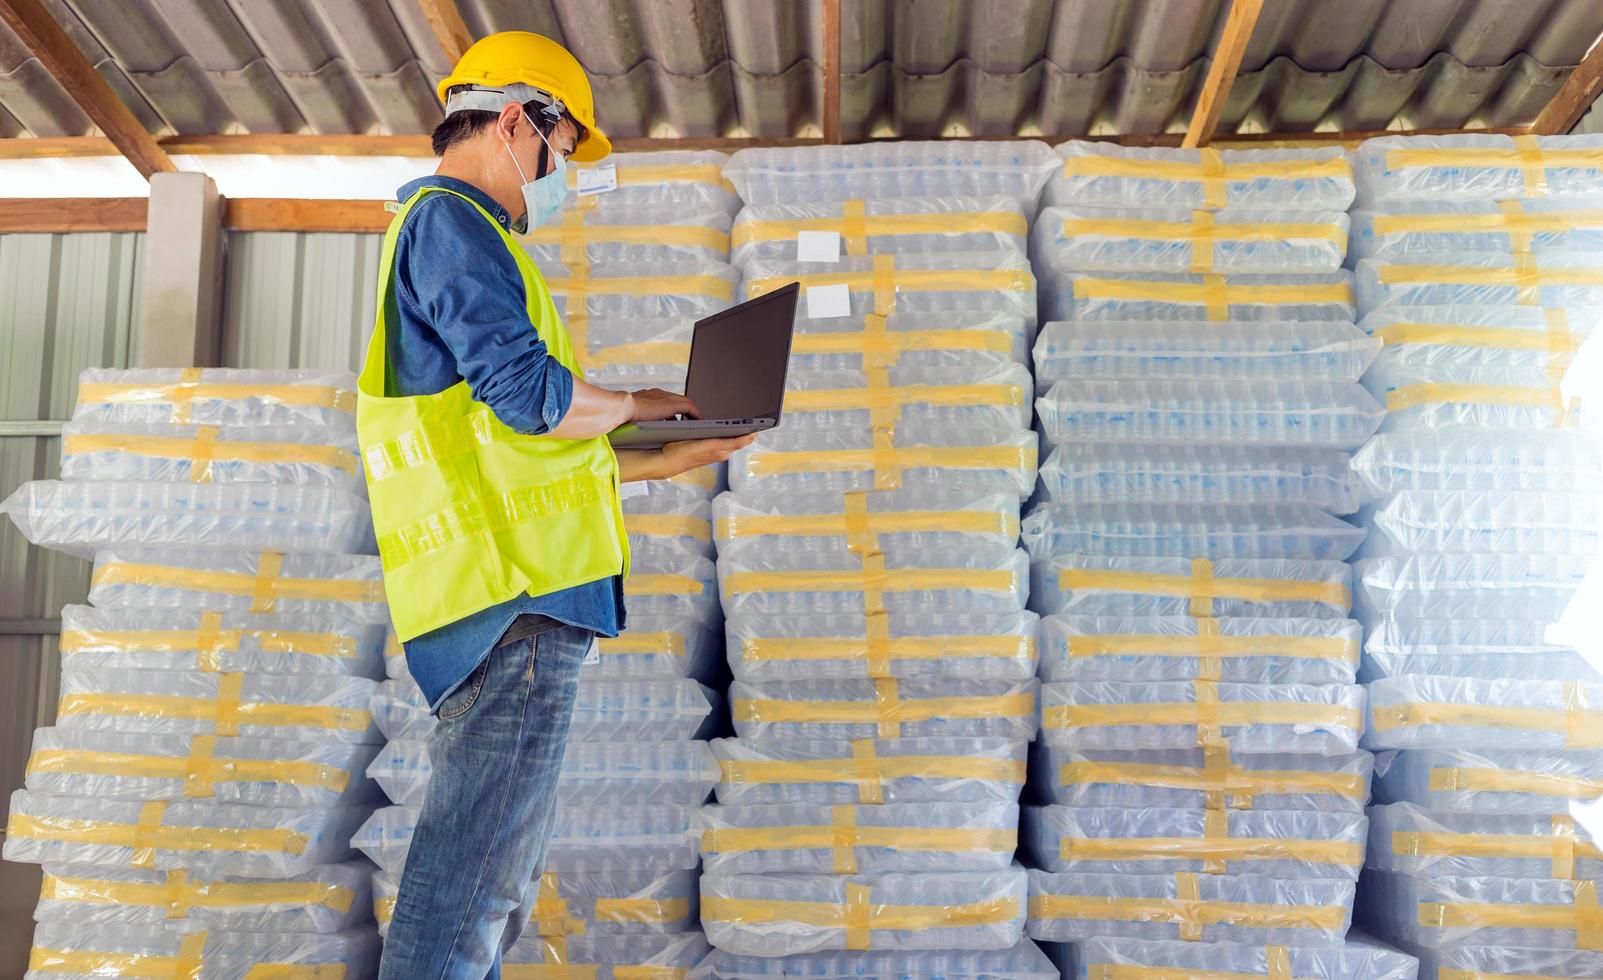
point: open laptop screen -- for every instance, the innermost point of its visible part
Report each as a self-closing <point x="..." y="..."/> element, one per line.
<point x="738" y="358"/>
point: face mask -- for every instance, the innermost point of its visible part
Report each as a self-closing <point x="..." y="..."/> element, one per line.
<point x="543" y="196"/>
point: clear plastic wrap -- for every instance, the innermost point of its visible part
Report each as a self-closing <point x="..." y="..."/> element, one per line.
<point x="1444" y="911"/>
<point x="81" y="518"/>
<point x="1540" y="226"/>
<point x="673" y="645"/>
<point x="873" y="839"/>
<point x="1205" y="908"/>
<point x="882" y="226"/>
<point x="66" y="951"/>
<point x="911" y="168"/>
<point x="1176" y="473"/>
<point x="912" y="340"/>
<point x="1088" y="585"/>
<point x="1023" y="962"/>
<point x="1200" y="350"/>
<point x="1507" y="522"/>
<point x="897" y="770"/>
<point x="604" y="711"/>
<point x="822" y="582"/>
<point x="261" y="582"/>
<point x="892" y="521"/>
<point x="920" y="282"/>
<point x="683" y="288"/>
<point x="1203" y="778"/>
<point x="919" y="707"/>
<point x="1105" y="175"/>
<point x="1427" y="712"/>
<point x="1472" y="586"/>
<point x="1558" y="279"/>
<point x="201" y="837"/>
<point x="636" y="351"/>
<point x="683" y="179"/>
<point x="1470" y="166"/>
<point x="1171" y="240"/>
<point x="606" y="957"/>
<point x="181" y="639"/>
<point x="326" y="899"/>
<point x="1285" y="844"/>
<point x="1237" y="650"/>
<point x="254" y="771"/>
<point x="1564" y="461"/>
<point x="312" y="707"/>
<point x="853" y="645"/>
<point x="665" y="520"/>
<point x="607" y="233"/>
<point x="973" y="397"/>
<point x="1466" y="960"/>
<point x="1488" y="649"/>
<point x="631" y="838"/>
<point x="1197" y="296"/>
<point x="1360" y="958"/>
<point x="1325" y="415"/>
<point x="787" y="461"/>
<point x="1301" y="718"/>
<point x="283" y="454"/>
<point x="780" y="915"/>
<point x="1436" y="387"/>
<point x="1406" y="839"/>
<point x="217" y="396"/>
<point x="678" y="773"/>
<point x="588" y="903"/>
<point x="1496" y="780"/>
<point x="665" y="580"/>
<point x="1209" y="530"/>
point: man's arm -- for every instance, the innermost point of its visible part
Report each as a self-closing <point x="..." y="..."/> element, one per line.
<point x="676" y="458"/>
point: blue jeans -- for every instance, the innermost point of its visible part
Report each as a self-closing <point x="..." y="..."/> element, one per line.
<point x="469" y="884"/>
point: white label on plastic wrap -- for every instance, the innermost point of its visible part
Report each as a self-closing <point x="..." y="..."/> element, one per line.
<point x="598" y="180"/>
<point x="829" y="301"/>
<point x="636" y="488"/>
<point x="818" y="246"/>
<point x="592" y="655"/>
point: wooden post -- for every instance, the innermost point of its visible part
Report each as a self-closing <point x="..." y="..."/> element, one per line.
<point x="831" y="68"/>
<point x="1222" y="71"/>
<point x="1578" y="93"/>
<point x="449" y="27"/>
<point x="181" y="296"/>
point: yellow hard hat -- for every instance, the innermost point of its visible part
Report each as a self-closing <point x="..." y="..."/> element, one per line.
<point x="521" y="58"/>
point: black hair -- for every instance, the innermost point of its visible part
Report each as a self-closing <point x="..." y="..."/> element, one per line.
<point x="461" y="126"/>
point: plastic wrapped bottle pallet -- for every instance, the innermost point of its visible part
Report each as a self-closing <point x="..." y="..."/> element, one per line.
<point x="964" y="398"/>
<point x="1238" y="650"/>
<point x="1229" y="240"/>
<point x="1419" y="711"/>
<point x="678" y="773"/>
<point x="830" y="461"/>
<point x="666" y="580"/>
<point x="1483" y="649"/>
<point x="634" y="352"/>
<point x="918" y="707"/>
<point x="907" y="521"/>
<point x="1182" y="350"/>
<point x="922" y="169"/>
<point x="918" y="282"/>
<point x="1212" y="778"/>
<point x="812" y="583"/>
<point x="1468" y="586"/>
<point x="65" y="950"/>
<point x="1396" y="229"/>
<point x="1361" y="958"/>
<point x="1321" y="415"/>
<point x="327" y="899"/>
<point x="632" y="838"/>
<point x="1247" y="909"/>
<point x="1557" y="279"/>
<point x="874" y="839"/>
<point x="1103" y="175"/>
<point x="1090" y="585"/>
<point x="669" y="520"/>
<point x="1507" y="522"/>
<point x="646" y="709"/>
<point x="1479" y="168"/>
<point x="895" y="770"/>
<point x="780" y="648"/>
<point x="608" y="233"/>
<point x="231" y="397"/>
<point x="1498" y="780"/>
<point x="1197" y="296"/>
<point x="262" y="582"/>
<point x="1023" y="962"/>
<point x="1563" y="461"/>
<point x="582" y="291"/>
<point x="685" y="179"/>
<point x="589" y="903"/>
<point x="885" y="226"/>
<point x="605" y="957"/>
<point x="1284" y="844"/>
<point x="771" y="915"/>
<point x="143" y="452"/>
<point x="1174" y="473"/>
<point x="1274" y="531"/>
<point x="912" y="340"/>
<point x="1462" y="960"/>
<point x="1441" y="911"/>
<point x="1407" y="839"/>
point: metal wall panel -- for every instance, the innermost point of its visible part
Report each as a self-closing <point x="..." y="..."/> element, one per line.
<point x="298" y="300"/>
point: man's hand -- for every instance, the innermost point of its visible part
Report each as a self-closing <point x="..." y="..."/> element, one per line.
<point x="655" y="404"/>
<point x="677" y="457"/>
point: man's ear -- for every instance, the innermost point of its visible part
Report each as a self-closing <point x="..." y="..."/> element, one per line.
<point x="506" y="123"/>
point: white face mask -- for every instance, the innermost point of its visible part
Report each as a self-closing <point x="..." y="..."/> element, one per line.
<point x="542" y="196"/>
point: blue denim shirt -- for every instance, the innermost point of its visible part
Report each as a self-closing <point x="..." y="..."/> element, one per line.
<point x="463" y="317"/>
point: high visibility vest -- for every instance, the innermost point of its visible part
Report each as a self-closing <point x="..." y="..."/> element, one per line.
<point x="469" y="513"/>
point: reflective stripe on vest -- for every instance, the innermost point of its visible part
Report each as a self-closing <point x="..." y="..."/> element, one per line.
<point x="468" y="512"/>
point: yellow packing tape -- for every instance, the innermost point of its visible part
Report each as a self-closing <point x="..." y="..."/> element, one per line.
<point x="892" y="342"/>
<point x="637" y="644"/>
<point x="856" y="227"/>
<point x="1581" y="727"/>
<point x="886" y="277"/>
<point x="888" y="710"/>
<point x="1277" y="963"/>
<point x="1445" y="779"/>
<point x="768" y="649"/>
<point x="1188" y="912"/>
<point x="1561" y="848"/>
<point x="1225" y="782"/>
<point x="1527" y="155"/>
<point x="178" y="895"/>
<point x="858" y="914"/>
<point x="636" y="174"/>
<point x="869" y="770"/>
<point x="1227" y="713"/>
<point x="1209" y="169"/>
<point x="1215" y="292"/>
<point x="1515" y="396"/>
<point x="238" y="583"/>
<point x="901" y="396"/>
<point x="203" y="448"/>
<point x="587" y="231"/>
<point x="190" y="389"/>
<point x="1583" y="916"/>
<point x="147" y="835"/>
<point x="1202" y="585"/>
<point x="200" y="771"/>
<point x="646" y="583"/>
<point x="1212" y="645"/>
<point x="1525" y="274"/>
<point x="844" y="834"/>
<point x="878" y="522"/>
<point x="715" y="287"/>
<point x="889" y="580"/>
<point x="1448" y="973"/>
<point x="1202" y="232"/>
<point x="226" y="710"/>
<point x="871" y="460"/>
<point x="1511" y="219"/>
<point x="1212" y="849"/>
<point x="208" y="641"/>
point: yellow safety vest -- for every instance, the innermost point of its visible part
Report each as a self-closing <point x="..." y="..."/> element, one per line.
<point x="468" y="512"/>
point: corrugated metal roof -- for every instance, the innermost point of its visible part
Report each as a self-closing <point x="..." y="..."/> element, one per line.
<point x="703" y="68"/>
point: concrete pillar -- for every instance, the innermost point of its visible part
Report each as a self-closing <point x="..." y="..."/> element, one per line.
<point x="181" y="302"/>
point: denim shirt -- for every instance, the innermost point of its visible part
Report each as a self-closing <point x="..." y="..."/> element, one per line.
<point x="463" y="316"/>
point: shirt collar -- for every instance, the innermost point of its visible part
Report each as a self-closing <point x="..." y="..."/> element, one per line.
<point x="462" y="187"/>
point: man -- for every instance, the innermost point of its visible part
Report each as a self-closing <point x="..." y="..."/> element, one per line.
<point x="494" y="495"/>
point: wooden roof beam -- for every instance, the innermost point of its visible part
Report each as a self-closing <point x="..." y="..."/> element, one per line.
<point x="830" y="123"/>
<point x="55" y="50"/>
<point x="1222" y="71"/>
<point x="1576" y="95"/>
<point x="445" y="17"/>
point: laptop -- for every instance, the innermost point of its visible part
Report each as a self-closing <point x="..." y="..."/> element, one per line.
<point x="736" y="378"/>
